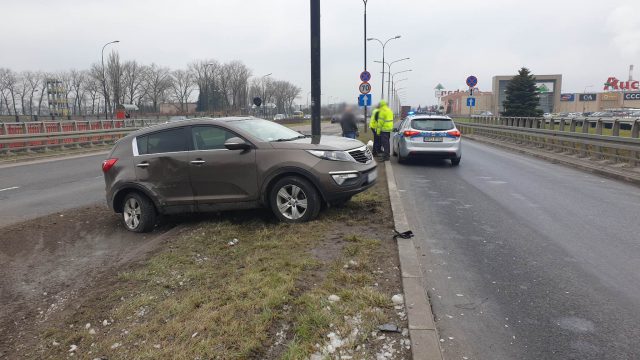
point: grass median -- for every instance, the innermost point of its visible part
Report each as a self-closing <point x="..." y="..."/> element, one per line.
<point x="315" y="290"/>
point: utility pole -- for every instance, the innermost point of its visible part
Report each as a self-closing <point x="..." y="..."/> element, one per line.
<point x="316" y="103"/>
<point x="366" y="115"/>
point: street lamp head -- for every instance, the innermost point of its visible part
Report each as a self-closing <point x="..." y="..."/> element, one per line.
<point x="116" y="41"/>
<point x="369" y="39"/>
<point x="397" y="37"/>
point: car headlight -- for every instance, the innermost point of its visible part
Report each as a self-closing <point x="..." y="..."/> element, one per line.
<point x="332" y="155"/>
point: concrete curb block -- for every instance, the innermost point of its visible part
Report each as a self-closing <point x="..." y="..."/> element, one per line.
<point x="422" y="330"/>
<point x="564" y="160"/>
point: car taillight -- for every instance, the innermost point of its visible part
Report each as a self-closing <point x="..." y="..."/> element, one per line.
<point x="108" y="164"/>
<point x="410" y="133"/>
<point x="454" y="133"/>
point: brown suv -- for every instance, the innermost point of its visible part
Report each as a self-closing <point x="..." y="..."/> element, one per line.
<point x="231" y="163"/>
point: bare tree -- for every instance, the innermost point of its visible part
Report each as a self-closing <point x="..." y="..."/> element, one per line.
<point x="43" y="87"/>
<point x="34" y="80"/>
<point x="206" y="72"/>
<point x="114" y="78"/>
<point x="132" y="80"/>
<point x="23" y="90"/>
<point x="78" y="84"/>
<point x="10" y="89"/>
<point x="239" y="75"/>
<point x="94" y="88"/>
<point x="181" y="88"/>
<point x="157" y="83"/>
<point x="284" y="94"/>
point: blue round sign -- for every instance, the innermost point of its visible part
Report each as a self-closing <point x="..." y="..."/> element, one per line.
<point x="472" y="81"/>
<point x="365" y="76"/>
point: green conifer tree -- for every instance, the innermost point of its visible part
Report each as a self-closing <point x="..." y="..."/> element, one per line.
<point x="522" y="96"/>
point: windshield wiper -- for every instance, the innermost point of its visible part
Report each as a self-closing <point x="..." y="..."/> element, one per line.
<point x="293" y="138"/>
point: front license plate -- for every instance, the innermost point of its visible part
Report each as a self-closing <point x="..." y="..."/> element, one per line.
<point x="372" y="176"/>
<point x="432" y="139"/>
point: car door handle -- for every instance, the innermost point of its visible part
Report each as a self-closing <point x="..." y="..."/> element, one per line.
<point x="198" y="162"/>
<point x="143" y="165"/>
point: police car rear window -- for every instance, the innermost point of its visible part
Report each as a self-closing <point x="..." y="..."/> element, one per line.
<point x="432" y="124"/>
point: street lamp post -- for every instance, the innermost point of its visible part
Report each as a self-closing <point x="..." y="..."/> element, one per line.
<point x="365" y="59"/>
<point x="393" y="76"/>
<point x="384" y="45"/>
<point x="208" y="92"/>
<point x="389" y="68"/>
<point x="107" y="105"/>
<point x="393" y="87"/>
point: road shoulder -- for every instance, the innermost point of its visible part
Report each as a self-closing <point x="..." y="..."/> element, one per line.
<point x="422" y="330"/>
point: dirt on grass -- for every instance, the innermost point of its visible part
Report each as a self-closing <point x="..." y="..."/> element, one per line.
<point x="235" y="285"/>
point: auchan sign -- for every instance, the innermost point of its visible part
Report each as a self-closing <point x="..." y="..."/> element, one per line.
<point x="615" y="84"/>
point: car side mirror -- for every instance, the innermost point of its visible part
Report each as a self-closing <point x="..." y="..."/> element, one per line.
<point x="236" y="143"/>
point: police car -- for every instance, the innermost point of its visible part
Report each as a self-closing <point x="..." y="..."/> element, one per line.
<point x="433" y="136"/>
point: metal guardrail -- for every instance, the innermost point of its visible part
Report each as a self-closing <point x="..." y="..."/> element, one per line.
<point x="614" y="148"/>
<point x="566" y="124"/>
<point x="59" y="134"/>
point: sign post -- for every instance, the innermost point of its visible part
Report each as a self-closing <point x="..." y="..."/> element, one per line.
<point x="472" y="81"/>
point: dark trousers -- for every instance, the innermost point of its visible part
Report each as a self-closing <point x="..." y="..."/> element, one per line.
<point x="376" y="143"/>
<point x="385" y="138"/>
<point x="349" y="134"/>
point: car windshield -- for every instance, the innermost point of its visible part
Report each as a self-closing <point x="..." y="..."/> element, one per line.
<point x="432" y="124"/>
<point x="267" y="130"/>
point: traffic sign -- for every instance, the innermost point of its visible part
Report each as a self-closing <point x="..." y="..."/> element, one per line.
<point x="365" y="88"/>
<point x="365" y="76"/>
<point x="364" y="100"/>
<point x="471" y="102"/>
<point x="472" y="81"/>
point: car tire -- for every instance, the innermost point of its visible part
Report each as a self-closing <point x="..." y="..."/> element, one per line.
<point x="393" y="151"/>
<point x="289" y="196"/>
<point x="401" y="159"/>
<point x="138" y="213"/>
<point x="456" y="161"/>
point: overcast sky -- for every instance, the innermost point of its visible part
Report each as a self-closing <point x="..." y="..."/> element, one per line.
<point x="585" y="41"/>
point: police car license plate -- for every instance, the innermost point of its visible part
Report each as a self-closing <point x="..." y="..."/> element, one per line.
<point x="432" y="139"/>
<point x="372" y="176"/>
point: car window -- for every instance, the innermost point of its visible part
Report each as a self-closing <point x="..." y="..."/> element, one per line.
<point x="210" y="137"/>
<point x="432" y="124"/>
<point x="166" y="141"/>
<point x="266" y="130"/>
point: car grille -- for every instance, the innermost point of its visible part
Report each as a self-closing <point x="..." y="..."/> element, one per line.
<point x="361" y="155"/>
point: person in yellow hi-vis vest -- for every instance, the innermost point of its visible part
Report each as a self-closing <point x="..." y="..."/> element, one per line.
<point x="384" y="128"/>
<point x="373" y="125"/>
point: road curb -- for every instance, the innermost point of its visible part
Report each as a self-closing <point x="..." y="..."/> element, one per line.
<point x="422" y="330"/>
<point x="564" y="160"/>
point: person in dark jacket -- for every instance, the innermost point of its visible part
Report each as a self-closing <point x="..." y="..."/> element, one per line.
<point x="348" y="124"/>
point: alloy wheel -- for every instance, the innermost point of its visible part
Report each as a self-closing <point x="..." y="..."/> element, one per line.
<point x="292" y="202"/>
<point x="132" y="213"/>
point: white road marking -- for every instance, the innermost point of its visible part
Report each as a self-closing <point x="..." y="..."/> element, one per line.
<point x="11" y="188"/>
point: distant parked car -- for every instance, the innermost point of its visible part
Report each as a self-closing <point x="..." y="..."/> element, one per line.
<point x="307" y="117"/>
<point x="335" y="119"/>
<point x="279" y="117"/>
<point x="229" y="164"/>
<point x="480" y="114"/>
<point x="177" y="118"/>
<point x="427" y="136"/>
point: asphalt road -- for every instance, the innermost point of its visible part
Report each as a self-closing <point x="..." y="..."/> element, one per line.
<point x="31" y="190"/>
<point x="525" y="259"/>
<point x="28" y="191"/>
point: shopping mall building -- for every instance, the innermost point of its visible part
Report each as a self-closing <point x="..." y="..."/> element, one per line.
<point x="615" y="94"/>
